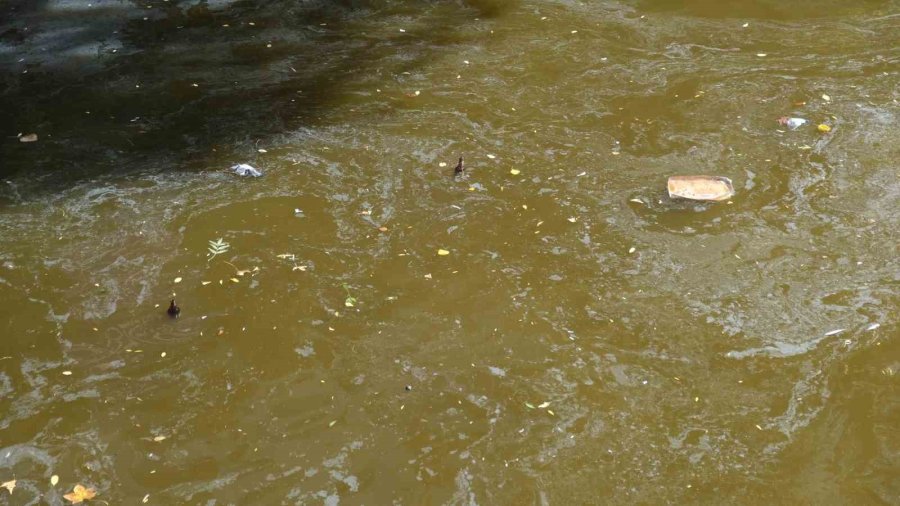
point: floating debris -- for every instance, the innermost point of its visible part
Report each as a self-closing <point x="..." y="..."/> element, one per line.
<point x="28" y="138"/>
<point x="792" y="123"/>
<point x="79" y="494"/>
<point x="244" y="169"/>
<point x="714" y="188"/>
<point x="834" y="332"/>
<point x="217" y="247"/>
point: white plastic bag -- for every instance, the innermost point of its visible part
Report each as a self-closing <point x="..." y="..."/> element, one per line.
<point x="245" y="169"/>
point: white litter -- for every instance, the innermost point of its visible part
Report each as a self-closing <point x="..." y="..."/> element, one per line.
<point x="244" y="169"/>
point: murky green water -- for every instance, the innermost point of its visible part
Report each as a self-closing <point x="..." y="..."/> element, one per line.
<point x="585" y="341"/>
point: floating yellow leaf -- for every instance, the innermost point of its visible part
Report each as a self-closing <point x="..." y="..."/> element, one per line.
<point x="235" y="280"/>
<point x="54" y="480"/>
<point x="177" y="280"/>
<point x="383" y="229"/>
<point x="204" y="283"/>
<point x="79" y="494"/>
<point x="515" y="172"/>
<point x="443" y="252"/>
<point x="9" y="485"/>
<point x="159" y="438"/>
<point x="824" y="128"/>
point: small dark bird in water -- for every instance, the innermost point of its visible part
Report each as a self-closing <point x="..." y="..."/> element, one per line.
<point x="173" y="310"/>
<point x="459" y="170"/>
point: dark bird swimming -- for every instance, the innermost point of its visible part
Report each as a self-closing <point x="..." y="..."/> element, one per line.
<point x="173" y="310"/>
<point x="459" y="168"/>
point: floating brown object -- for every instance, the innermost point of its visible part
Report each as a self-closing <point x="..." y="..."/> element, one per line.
<point x="700" y="187"/>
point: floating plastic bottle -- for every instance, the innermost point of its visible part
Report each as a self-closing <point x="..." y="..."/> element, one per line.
<point x="792" y="123"/>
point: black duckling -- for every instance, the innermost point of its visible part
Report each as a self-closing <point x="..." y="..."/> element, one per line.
<point x="173" y="310"/>
<point x="459" y="170"/>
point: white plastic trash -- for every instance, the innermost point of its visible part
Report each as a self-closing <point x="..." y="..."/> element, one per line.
<point x="792" y="123"/>
<point x="245" y="169"/>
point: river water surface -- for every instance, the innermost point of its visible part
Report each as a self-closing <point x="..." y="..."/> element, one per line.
<point x="549" y="329"/>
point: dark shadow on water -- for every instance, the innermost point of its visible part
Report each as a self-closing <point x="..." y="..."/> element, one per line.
<point x="113" y="86"/>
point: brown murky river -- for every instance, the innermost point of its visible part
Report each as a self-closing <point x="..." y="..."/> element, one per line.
<point x="549" y="329"/>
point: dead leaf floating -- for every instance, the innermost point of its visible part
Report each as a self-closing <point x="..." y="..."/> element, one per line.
<point x="28" y="138"/>
<point x="80" y="494"/>
<point x="9" y="485"/>
<point x="54" y="480"/>
<point x="443" y="252"/>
